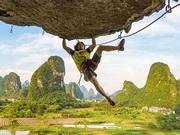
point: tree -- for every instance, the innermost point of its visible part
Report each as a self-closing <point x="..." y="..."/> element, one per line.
<point x="177" y="109"/>
<point x="168" y="122"/>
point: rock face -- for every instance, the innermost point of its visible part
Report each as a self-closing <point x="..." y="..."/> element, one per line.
<point x="74" y="90"/>
<point x="10" y="85"/>
<point x="25" y="84"/>
<point x="48" y="78"/>
<point x="75" y="19"/>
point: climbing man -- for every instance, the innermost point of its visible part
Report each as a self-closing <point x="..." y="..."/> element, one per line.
<point x="87" y="66"/>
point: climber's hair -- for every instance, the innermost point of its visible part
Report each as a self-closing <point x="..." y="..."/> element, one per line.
<point x="76" y="46"/>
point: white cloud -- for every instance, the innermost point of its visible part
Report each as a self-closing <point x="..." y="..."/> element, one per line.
<point x="158" y="28"/>
<point x="27" y="52"/>
<point x="4" y="49"/>
<point x="37" y="43"/>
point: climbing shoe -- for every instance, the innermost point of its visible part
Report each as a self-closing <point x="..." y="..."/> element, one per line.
<point x="121" y="45"/>
<point x="112" y="103"/>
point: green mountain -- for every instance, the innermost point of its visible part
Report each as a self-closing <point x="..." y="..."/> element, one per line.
<point x="113" y="95"/>
<point x="74" y="90"/>
<point x="1" y="79"/>
<point x="48" y="78"/>
<point x="178" y="85"/>
<point x="10" y="85"/>
<point x="126" y="96"/>
<point x="161" y="89"/>
<point x="23" y="93"/>
<point x="178" y="89"/>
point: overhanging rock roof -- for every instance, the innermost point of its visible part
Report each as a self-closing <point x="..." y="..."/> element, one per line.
<point x="77" y="19"/>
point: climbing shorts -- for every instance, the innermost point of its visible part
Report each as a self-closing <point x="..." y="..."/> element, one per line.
<point x="90" y="66"/>
<point x="89" y="73"/>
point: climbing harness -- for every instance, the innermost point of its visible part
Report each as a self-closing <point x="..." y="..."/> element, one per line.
<point x="85" y="66"/>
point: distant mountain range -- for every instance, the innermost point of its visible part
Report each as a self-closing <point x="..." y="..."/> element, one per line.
<point x="48" y="78"/>
<point x="161" y="89"/>
<point x="81" y="92"/>
<point x="90" y="95"/>
<point x="74" y="90"/>
<point x="25" y="84"/>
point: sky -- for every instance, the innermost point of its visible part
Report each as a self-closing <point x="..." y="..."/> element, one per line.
<point x="26" y="49"/>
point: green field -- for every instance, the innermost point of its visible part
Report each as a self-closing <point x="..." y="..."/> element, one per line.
<point x="132" y="121"/>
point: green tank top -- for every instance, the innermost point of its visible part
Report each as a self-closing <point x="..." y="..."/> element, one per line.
<point x="79" y="57"/>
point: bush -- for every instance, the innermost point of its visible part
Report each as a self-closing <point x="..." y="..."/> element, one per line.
<point x="13" y="122"/>
<point x="177" y="109"/>
<point x="54" y="108"/>
<point x="4" y="103"/>
<point x="79" y="114"/>
<point x="168" y="122"/>
<point x="152" y="125"/>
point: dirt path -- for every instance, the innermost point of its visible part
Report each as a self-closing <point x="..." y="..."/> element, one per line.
<point x="35" y="121"/>
<point x="4" y="121"/>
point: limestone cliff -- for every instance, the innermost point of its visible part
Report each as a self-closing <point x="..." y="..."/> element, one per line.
<point x="74" y="90"/>
<point x="75" y="19"/>
<point x="48" y="78"/>
<point x="10" y="85"/>
<point x="161" y="89"/>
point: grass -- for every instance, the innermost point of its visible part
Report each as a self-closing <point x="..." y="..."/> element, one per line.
<point x="106" y="115"/>
<point x="59" y="130"/>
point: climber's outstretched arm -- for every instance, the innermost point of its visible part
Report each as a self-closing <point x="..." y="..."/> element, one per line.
<point x="69" y="50"/>
<point x="91" y="47"/>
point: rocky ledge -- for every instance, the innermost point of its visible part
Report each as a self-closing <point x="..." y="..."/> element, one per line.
<point x="78" y="19"/>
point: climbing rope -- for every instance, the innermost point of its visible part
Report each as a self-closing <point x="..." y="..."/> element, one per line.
<point x="168" y="10"/>
<point x="43" y="32"/>
<point x="81" y="74"/>
<point x="11" y="31"/>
